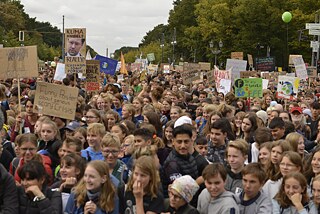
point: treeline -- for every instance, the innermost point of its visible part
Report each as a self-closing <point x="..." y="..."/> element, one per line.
<point x="251" y="26"/>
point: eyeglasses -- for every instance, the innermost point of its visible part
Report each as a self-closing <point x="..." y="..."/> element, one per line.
<point x="113" y="152"/>
<point x="28" y="149"/>
<point x="174" y="196"/>
<point x="126" y="145"/>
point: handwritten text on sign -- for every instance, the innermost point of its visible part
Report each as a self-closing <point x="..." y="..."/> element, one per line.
<point x="248" y="87"/>
<point x="56" y="100"/>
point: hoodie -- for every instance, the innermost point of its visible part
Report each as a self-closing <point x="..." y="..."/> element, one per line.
<point x="224" y="204"/>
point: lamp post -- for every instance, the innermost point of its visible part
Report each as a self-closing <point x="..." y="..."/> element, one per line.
<point x="215" y="50"/>
<point x="174" y="42"/>
<point x="162" y="46"/>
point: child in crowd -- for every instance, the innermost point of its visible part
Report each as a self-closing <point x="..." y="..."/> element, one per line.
<point x="215" y="199"/>
<point x="96" y="131"/>
<point x="252" y="199"/>
<point x="236" y="156"/>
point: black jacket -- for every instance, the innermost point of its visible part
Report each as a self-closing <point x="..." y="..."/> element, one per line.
<point x="52" y="204"/>
<point x="8" y="193"/>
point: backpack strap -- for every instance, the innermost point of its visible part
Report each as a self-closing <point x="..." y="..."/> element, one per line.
<point x="15" y="164"/>
<point x="89" y="157"/>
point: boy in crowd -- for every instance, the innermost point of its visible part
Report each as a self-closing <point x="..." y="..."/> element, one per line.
<point x="95" y="133"/>
<point x="201" y="146"/>
<point x="252" y="199"/>
<point x="277" y="128"/>
<point x="142" y="137"/>
<point x="215" y="199"/>
<point x="236" y="156"/>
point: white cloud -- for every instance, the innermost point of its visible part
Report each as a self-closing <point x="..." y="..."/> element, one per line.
<point x="110" y="23"/>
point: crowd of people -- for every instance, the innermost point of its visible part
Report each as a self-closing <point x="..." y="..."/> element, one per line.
<point x="157" y="145"/>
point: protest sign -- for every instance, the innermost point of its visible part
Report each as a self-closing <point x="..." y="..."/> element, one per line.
<point x="287" y="87"/>
<point x="152" y="68"/>
<point x="56" y="100"/>
<point x="312" y="71"/>
<point x="205" y="66"/>
<point x="291" y="57"/>
<point x="265" y="83"/>
<point x="151" y="57"/>
<point x="166" y="69"/>
<point x="237" y="55"/>
<point x="247" y="74"/>
<point x="60" y="73"/>
<point x="18" y="62"/>
<point x="300" y="67"/>
<point x="92" y="75"/>
<point x="224" y="86"/>
<point x="248" y="87"/>
<point x="191" y="73"/>
<point x="135" y="66"/>
<point x="236" y="65"/>
<point x="265" y="64"/>
<point x="250" y="60"/>
<point x="220" y="74"/>
<point x="75" y="47"/>
<point x="210" y="77"/>
<point x="179" y="68"/>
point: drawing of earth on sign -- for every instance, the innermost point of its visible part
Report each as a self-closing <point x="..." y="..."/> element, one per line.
<point x="287" y="88"/>
<point x="239" y="83"/>
<point x="104" y="65"/>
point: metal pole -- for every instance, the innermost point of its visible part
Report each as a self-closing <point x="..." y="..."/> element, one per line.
<point x="63" y="39"/>
<point x="318" y="16"/>
<point x="107" y="52"/>
<point x="215" y="59"/>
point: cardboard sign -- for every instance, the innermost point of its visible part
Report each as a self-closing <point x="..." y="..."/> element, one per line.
<point x="56" y="100"/>
<point x="179" y="68"/>
<point x="210" y="77"/>
<point x="288" y="87"/>
<point x="247" y="74"/>
<point x="300" y="67"/>
<point x="191" y="72"/>
<point x="92" y="75"/>
<point x="151" y="57"/>
<point x="237" y="55"/>
<point x="312" y="71"/>
<point x="19" y="62"/>
<point x="205" y="66"/>
<point x="60" y="73"/>
<point x="248" y="87"/>
<point x="236" y="66"/>
<point x="75" y="50"/>
<point x="152" y="68"/>
<point x="265" y="64"/>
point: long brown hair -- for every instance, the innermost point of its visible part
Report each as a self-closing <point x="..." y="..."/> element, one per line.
<point x="147" y="165"/>
<point x="108" y="192"/>
<point x="282" y="197"/>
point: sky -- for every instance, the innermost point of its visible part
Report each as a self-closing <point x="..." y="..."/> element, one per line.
<point x="109" y="24"/>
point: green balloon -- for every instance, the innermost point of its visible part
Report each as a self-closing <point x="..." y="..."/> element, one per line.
<point x="286" y="17"/>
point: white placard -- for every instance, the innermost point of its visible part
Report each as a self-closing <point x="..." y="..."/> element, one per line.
<point x="60" y="72"/>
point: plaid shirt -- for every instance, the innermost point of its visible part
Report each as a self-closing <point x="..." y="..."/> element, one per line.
<point x="216" y="154"/>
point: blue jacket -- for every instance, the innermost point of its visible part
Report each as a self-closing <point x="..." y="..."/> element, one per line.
<point x="91" y="155"/>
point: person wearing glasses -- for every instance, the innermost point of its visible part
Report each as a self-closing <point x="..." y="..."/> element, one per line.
<point x="28" y="151"/>
<point x="110" y="147"/>
<point x="93" y="116"/>
<point x="181" y="192"/>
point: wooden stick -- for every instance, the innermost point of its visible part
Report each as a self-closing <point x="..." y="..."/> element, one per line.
<point x="19" y="103"/>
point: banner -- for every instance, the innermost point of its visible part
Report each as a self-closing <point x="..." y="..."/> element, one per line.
<point x="75" y="50"/>
<point x="300" y="67"/>
<point x="107" y="65"/>
<point x="236" y="66"/>
<point x="205" y="66"/>
<point x="248" y="87"/>
<point x="56" y="100"/>
<point x="191" y="73"/>
<point x="92" y="75"/>
<point x="288" y="87"/>
<point x="19" y="62"/>
<point x="265" y="64"/>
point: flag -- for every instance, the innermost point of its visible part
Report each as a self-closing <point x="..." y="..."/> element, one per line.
<point x="88" y="56"/>
<point x="107" y="65"/>
<point x="123" y="69"/>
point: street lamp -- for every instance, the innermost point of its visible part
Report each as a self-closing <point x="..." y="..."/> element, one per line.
<point x="215" y="50"/>
<point x="174" y="42"/>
